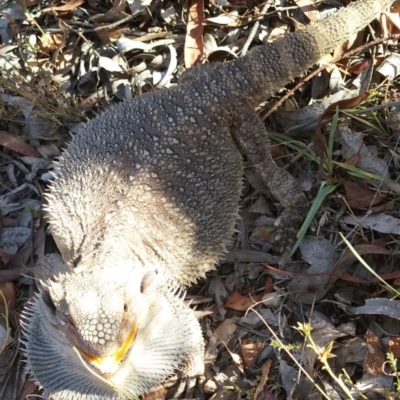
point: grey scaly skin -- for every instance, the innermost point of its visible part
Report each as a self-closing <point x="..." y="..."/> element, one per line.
<point x="69" y="321"/>
<point x="146" y="199"/>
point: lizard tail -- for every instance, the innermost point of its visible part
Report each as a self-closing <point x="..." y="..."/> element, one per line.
<point x="268" y="68"/>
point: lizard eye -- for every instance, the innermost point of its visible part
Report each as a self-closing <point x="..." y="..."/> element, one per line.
<point x="48" y="301"/>
<point x="126" y="307"/>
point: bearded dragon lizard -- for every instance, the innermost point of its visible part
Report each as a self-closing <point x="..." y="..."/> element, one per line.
<point x="145" y="200"/>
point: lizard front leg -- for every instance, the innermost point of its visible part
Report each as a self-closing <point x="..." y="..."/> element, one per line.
<point x="251" y="137"/>
<point x="191" y="374"/>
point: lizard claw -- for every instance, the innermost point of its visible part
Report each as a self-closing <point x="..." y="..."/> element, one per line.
<point x="286" y="231"/>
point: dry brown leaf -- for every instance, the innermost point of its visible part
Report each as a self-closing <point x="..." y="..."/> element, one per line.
<point x="237" y="360"/>
<point x="394" y="346"/>
<point x="224" y="330"/>
<point x="28" y="3"/>
<point x="221" y="334"/>
<point x="228" y="376"/>
<point x="17" y="144"/>
<point x="269" y="285"/>
<point x="359" y="196"/>
<point x="251" y="350"/>
<point x="115" y="14"/>
<point x="278" y="151"/>
<point x="277" y="32"/>
<point x="320" y="142"/>
<point x="263" y="232"/>
<point x="110" y="35"/>
<point x="374" y="357"/>
<point x="5" y="257"/>
<point x="50" y="42"/>
<point x="15" y="263"/>
<point x="28" y="389"/>
<point x="379" y="259"/>
<point x="347" y="258"/>
<point x="354" y="160"/>
<point x="239" y="302"/>
<point x="307" y="7"/>
<point x="9" y="222"/>
<point x="71" y="5"/>
<point x="267" y="394"/>
<point x="265" y="368"/>
<point x="358" y="68"/>
<point x="9" y="293"/>
<point x="194" y="42"/>
<point x="390" y="23"/>
<point x="157" y="393"/>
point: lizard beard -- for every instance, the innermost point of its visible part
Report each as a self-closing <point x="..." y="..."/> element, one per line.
<point x="162" y="342"/>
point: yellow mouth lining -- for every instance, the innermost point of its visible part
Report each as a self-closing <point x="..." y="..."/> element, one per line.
<point x="117" y="356"/>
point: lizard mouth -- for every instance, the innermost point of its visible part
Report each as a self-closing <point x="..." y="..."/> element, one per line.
<point x="110" y="363"/>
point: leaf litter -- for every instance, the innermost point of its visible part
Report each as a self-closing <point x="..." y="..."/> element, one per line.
<point x="64" y="61"/>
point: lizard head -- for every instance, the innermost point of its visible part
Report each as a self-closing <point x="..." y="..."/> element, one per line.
<point x="99" y="311"/>
<point x="106" y="332"/>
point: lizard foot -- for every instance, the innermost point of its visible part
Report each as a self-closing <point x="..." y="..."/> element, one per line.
<point x="188" y="382"/>
<point x="251" y="137"/>
<point x="185" y="387"/>
<point x="287" y="225"/>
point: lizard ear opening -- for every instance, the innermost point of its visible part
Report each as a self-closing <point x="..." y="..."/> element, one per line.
<point x="146" y="282"/>
<point x="48" y="301"/>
